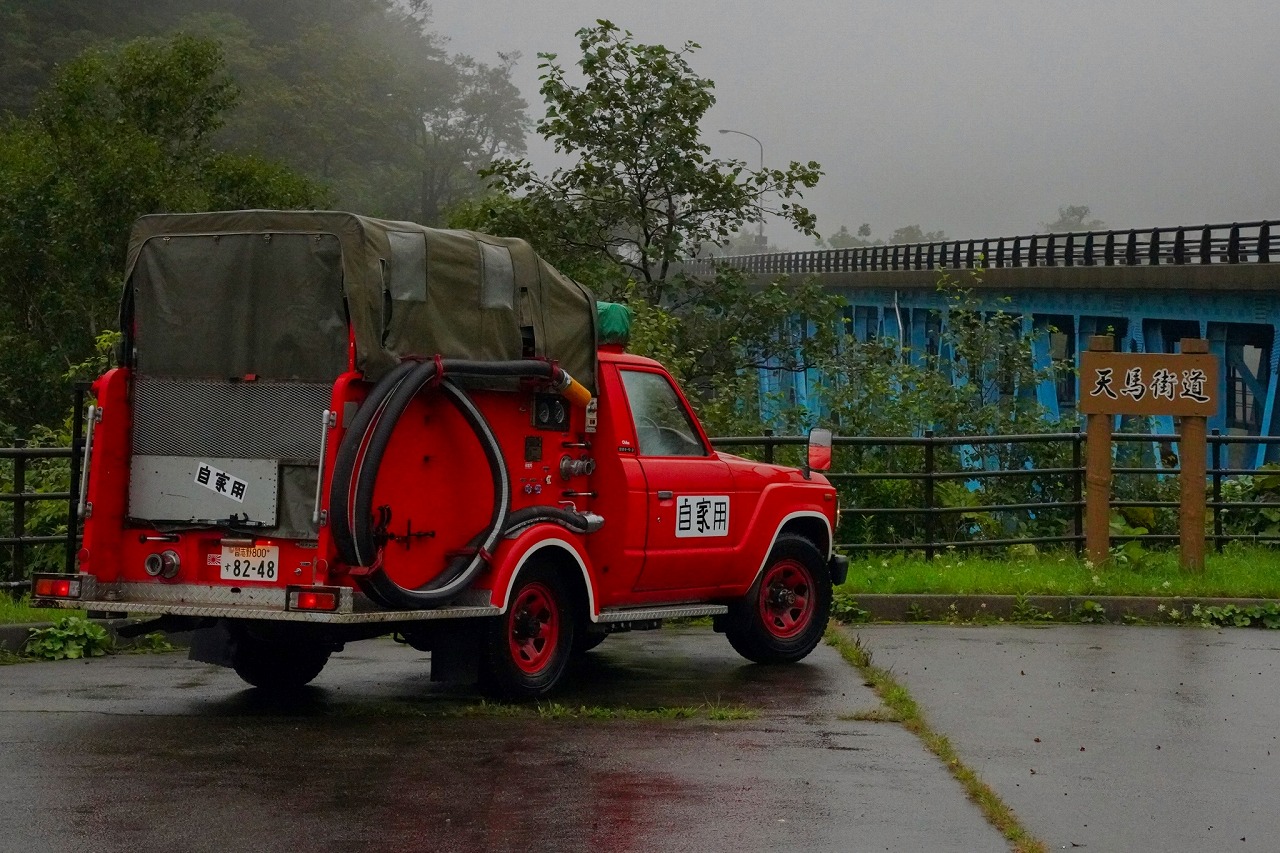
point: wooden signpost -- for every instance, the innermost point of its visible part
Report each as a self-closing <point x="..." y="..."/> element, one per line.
<point x="1184" y="385"/>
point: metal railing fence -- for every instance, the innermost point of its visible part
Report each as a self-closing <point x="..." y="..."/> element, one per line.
<point x="1052" y="495"/>
<point x="1230" y="243"/>
<point x="1047" y="507"/>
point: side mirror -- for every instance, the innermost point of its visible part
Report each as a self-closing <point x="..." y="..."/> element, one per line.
<point x="819" y="456"/>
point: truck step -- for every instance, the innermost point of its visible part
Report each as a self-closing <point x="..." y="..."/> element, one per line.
<point x="666" y="611"/>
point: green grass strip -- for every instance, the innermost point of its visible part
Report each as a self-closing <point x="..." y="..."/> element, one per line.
<point x="908" y="713"/>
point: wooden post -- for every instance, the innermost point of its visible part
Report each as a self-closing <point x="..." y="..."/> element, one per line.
<point x="1097" y="473"/>
<point x="1192" y="450"/>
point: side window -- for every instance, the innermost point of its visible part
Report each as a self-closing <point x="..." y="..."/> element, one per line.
<point x="663" y="426"/>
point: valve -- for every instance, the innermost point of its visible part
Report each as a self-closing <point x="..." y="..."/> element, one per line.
<point x="570" y="467"/>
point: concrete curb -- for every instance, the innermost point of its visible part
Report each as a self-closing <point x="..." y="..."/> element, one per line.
<point x="881" y="608"/>
<point x="915" y="608"/>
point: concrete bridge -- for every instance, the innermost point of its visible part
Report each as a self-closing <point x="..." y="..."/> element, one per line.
<point x="1149" y="287"/>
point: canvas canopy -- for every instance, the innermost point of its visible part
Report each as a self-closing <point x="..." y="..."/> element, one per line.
<point x="269" y="293"/>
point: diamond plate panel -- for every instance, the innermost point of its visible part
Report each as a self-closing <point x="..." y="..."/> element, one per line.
<point x="240" y="420"/>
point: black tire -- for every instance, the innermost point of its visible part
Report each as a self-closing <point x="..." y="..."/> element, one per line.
<point x="277" y="666"/>
<point x="527" y="649"/>
<point x="785" y="613"/>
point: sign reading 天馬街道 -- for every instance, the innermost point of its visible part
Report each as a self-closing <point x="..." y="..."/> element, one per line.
<point x="1130" y="383"/>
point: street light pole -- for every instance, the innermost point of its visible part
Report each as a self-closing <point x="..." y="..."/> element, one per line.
<point x="759" y="208"/>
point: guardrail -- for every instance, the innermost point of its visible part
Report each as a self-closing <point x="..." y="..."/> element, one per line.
<point x="1232" y="243"/>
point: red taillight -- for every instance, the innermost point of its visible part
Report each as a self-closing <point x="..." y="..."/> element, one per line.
<point x="56" y="587"/>
<point x="313" y="598"/>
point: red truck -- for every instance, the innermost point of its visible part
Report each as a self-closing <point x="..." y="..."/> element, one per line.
<point x="326" y="427"/>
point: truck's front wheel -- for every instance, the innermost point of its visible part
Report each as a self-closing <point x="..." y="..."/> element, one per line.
<point x="783" y="616"/>
<point x="277" y="665"/>
<point x="528" y="648"/>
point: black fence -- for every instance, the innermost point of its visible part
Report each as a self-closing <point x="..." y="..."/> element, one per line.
<point x="1233" y="243"/>
<point x="919" y="512"/>
<point x="1052" y="494"/>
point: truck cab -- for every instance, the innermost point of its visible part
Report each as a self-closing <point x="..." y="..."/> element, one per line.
<point x="326" y="428"/>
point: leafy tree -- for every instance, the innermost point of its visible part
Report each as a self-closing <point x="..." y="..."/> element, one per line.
<point x="643" y="194"/>
<point x="359" y="94"/>
<point x="120" y="134"/>
<point x="645" y="189"/>
<point x="1073" y="217"/>
<point x="842" y="239"/>
<point x="915" y="234"/>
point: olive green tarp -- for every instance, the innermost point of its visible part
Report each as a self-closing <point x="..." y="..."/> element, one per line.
<point x="268" y="293"/>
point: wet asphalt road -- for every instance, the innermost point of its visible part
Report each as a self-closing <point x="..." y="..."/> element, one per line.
<point x="152" y="752"/>
<point x="1108" y="738"/>
<point x="1100" y="738"/>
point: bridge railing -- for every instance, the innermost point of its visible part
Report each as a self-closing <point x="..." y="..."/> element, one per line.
<point x="1233" y="243"/>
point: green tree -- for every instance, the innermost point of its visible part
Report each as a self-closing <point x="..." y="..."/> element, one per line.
<point x="645" y="189"/>
<point x="842" y="239"/>
<point x="1073" y="217"/>
<point x="359" y="94"/>
<point x="642" y="195"/>
<point x="119" y="134"/>
<point x="914" y="234"/>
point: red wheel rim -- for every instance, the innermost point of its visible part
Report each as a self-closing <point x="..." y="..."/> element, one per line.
<point x="786" y="599"/>
<point x="534" y="628"/>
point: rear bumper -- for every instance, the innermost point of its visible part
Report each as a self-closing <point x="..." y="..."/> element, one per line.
<point x="247" y="602"/>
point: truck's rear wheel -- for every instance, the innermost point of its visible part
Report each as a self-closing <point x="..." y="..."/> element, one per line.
<point x="783" y="616"/>
<point x="277" y="666"/>
<point x="528" y="647"/>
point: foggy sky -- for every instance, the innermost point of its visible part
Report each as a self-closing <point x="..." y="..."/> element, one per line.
<point x="977" y="117"/>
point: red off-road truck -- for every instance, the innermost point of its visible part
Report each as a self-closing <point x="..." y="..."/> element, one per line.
<point x="325" y="427"/>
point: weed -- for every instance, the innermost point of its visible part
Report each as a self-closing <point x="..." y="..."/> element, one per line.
<point x="1091" y="612"/>
<point x="844" y="608"/>
<point x="70" y="637"/>
<point x="155" y="642"/>
<point x="1025" y="611"/>
<point x="1231" y="616"/>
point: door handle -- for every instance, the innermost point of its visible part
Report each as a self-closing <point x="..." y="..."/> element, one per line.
<point x="664" y="495"/>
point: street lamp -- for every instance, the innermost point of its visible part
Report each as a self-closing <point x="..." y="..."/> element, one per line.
<point x="759" y="209"/>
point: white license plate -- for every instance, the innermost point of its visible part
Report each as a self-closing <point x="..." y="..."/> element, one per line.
<point x="258" y="563"/>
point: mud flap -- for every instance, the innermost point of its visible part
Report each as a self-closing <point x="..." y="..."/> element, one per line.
<point x="839" y="569"/>
<point x="455" y="654"/>
<point x="213" y="644"/>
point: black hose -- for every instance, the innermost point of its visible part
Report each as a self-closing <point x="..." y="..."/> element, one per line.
<point x="349" y="454"/>
<point x="362" y="473"/>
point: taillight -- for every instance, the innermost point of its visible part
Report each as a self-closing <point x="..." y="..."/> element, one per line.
<point x="314" y="598"/>
<point x="56" y="587"/>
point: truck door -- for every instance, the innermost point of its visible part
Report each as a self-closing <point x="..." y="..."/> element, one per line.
<point x="691" y="529"/>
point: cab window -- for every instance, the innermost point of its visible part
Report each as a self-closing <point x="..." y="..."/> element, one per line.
<point x="663" y="426"/>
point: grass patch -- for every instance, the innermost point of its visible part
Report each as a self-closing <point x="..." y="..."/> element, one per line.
<point x="1238" y="572"/>
<point x="17" y="610"/>
<point x="900" y="703"/>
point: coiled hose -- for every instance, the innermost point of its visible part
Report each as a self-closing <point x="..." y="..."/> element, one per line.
<point x="360" y="456"/>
